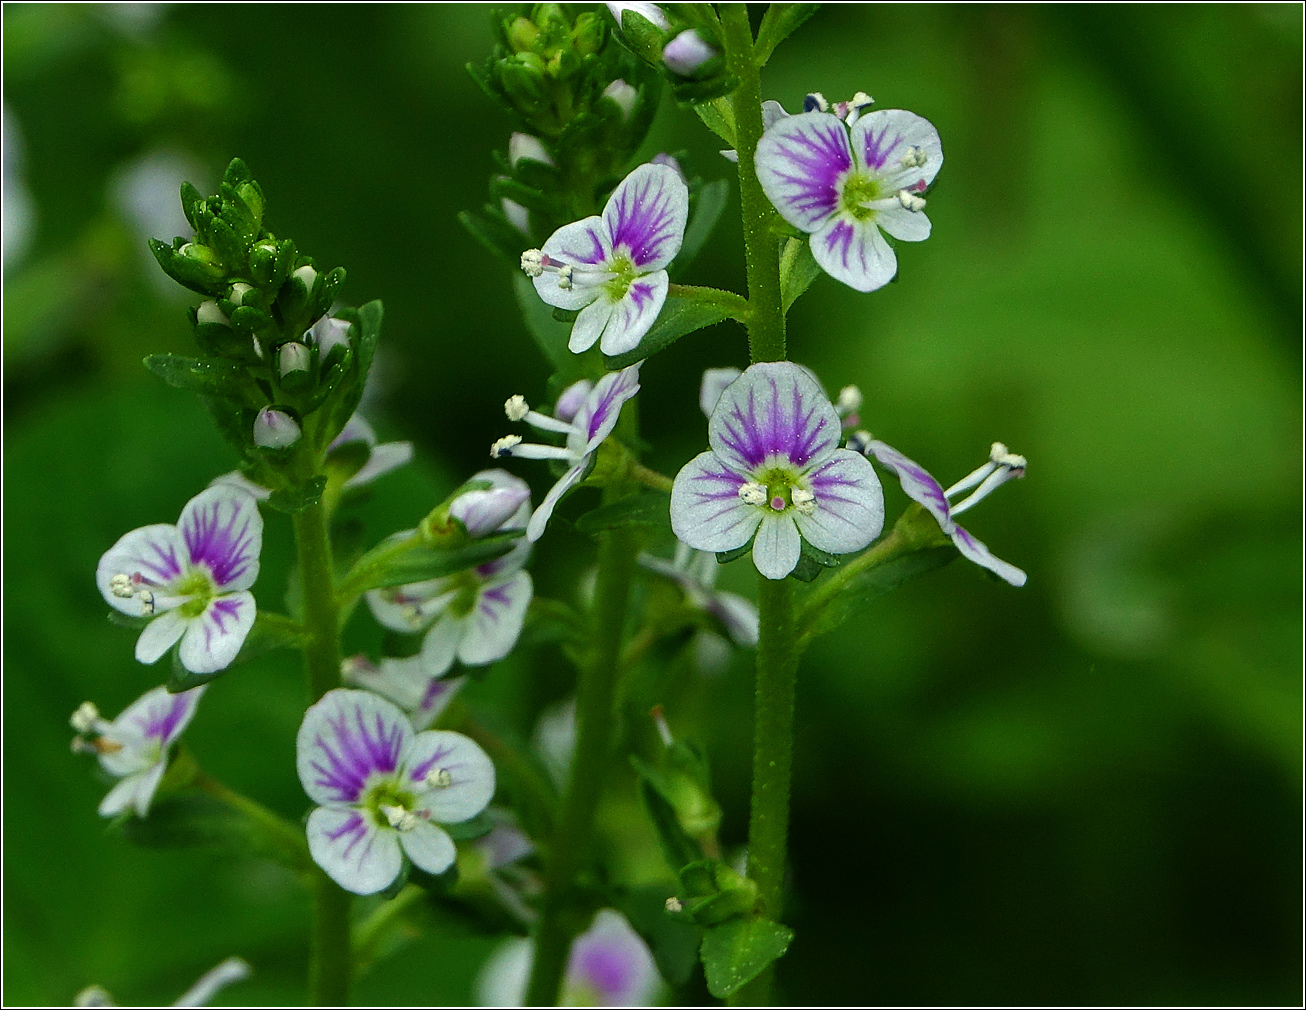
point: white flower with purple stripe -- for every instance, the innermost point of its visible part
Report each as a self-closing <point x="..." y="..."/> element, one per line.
<point x="383" y="789"/>
<point x="134" y="747"/>
<point x="609" y="965"/>
<point x="921" y="487"/>
<point x="775" y="474"/>
<point x="474" y="616"/>
<point x="407" y="683"/>
<point x="696" y="572"/>
<point x="844" y="186"/>
<point x="586" y="415"/>
<point x="612" y="267"/>
<point x="194" y="578"/>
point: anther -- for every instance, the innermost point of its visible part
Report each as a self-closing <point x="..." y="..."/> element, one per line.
<point x="147" y="601"/>
<point x="504" y="446"/>
<point x="516" y="408"/>
<point x="439" y="778"/>
<point x="564" y="277"/>
<point x="532" y="262"/>
<point x="413" y="615"/>
<point x="85" y="718"/>
<point x="121" y="586"/>
<point x="400" y="819"/>
<point x="804" y="501"/>
<point x="815" y="102"/>
<point x="914" y="158"/>
<point x="910" y="201"/>
<point x="861" y="100"/>
<point x="674" y="904"/>
<point x="849" y="402"/>
<point x="751" y="493"/>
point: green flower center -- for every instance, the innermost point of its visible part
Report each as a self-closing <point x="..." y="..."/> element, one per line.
<point x="386" y="793"/>
<point x="198" y="585"/>
<point x="624" y="269"/>
<point x="860" y="188"/>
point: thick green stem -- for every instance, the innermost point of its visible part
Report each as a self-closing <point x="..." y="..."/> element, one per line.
<point x="766" y="319"/>
<point x="330" y="958"/>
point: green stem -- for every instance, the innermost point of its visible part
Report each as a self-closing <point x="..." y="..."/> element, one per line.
<point x="330" y="958"/>
<point x="561" y="916"/>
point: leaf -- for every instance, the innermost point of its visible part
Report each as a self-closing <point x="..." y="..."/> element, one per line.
<point x="398" y="564"/>
<point x="201" y="821"/>
<point x="466" y="831"/>
<point x="719" y="117"/>
<point x="709" y="203"/>
<point x="649" y="508"/>
<point x="677" y="847"/>
<point x="872" y="583"/>
<point x="812" y="561"/>
<point x="212" y="377"/>
<point x="687" y="309"/>
<point x="550" y="335"/>
<point x="779" y="22"/>
<point x="798" y="268"/>
<point x="499" y="237"/>
<point x="736" y="952"/>
<point x="369" y="333"/>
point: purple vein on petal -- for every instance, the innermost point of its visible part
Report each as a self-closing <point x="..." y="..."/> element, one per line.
<point x="167" y="567"/>
<point x="161" y="720"/>
<point x="819" y="165"/>
<point x="643" y="223"/>
<point x="358" y="756"/>
<point x="874" y="149"/>
<point x="355" y="827"/>
<point x="422" y="770"/>
<point x="221" y="547"/>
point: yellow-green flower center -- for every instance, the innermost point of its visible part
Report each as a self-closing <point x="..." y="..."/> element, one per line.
<point x="858" y="189"/>
<point x="198" y="585"/>
<point x="624" y="269"/>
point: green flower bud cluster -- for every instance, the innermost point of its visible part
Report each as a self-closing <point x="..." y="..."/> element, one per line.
<point x="263" y="331"/>
<point x="581" y="104"/>
<point x="688" y="51"/>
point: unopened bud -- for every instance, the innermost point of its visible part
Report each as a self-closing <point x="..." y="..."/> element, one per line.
<point x="208" y="312"/>
<point x="686" y="53"/>
<point x="523" y="145"/>
<point x="624" y="95"/>
<point x="307" y="276"/>
<point x="239" y="290"/>
<point x="275" y="429"/>
<point x="293" y="357"/>
<point x="516" y="215"/>
<point x="650" y="12"/>
<point x="483" y="512"/>
<point x="328" y="333"/>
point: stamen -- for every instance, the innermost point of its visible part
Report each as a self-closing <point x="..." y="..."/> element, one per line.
<point x="914" y="158"/>
<point x="1004" y="466"/>
<point x="439" y="778"/>
<point x="849" y="402"/>
<point x="860" y="441"/>
<point x="505" y="446"/>
<point x="121" y="586"/>
<point x="86" y="718"/>
<point x="516" y="408"/>
<point x="564" y="277"/>
<point x="147" y="601"/>
<point x="861" y="100"/>
<point x="400" y="818"/>
<point x="413" y="615"/>
<point x="910" y="201"/>
<point x="674" y="904"/>
<point x="751" y="493"/>
<point x="532" y="262"/>
<point x="804" y="501"/>
<point x="815" y="102"/>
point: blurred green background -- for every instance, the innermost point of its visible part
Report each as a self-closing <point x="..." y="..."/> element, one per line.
<point x="1086" y="791"/>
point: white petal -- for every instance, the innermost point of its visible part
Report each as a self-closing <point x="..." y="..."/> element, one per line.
<point x="237" y="479"/>
<point x="881" y="138"/>
<point x="160" y="635"/>
<point x="154" y="720"/>
<point x="502" y="981"/>
<point x="916" y="481"/>
<point x="214" y="638"/>
<point x="802" y="161"/>
<point x="440" y="645"/>
<point x="775" y="410"/>
<point x="157" y="552"/>
<point x="903" y="224"/>
<point x="854" y="252"/>
<point x="601" y="410"/>
<point x="540" y="517"/>
<point x="357" y="854"/>
<point x="738" y="615"/>
<point x="635" y="314"/>
<point x="224" y="532"/>
<point x="146" y="786"/>
<point x="777" y="547"/>
<point x="583" y="243"/>
<point x="411" y="607"/>
<point x="706" y="512"/>
<point x="497" y="621"/>
<point x="382" y="460"/>
<point x="346" y="739"/>
<point x="646" y="215"/>
<point x="121" y="796"/>
<point x="470" y="770"/>
<point x="713" y="384"/>
<point x="429" y="847"/>
<point x="589" y="325"/>
<point x="849" y="504"/>
<point x="975" y="551"/>
<point x="611" y="961"/>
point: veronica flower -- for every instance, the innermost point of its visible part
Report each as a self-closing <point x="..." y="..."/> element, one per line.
<point x="384" y="789"/>
<point x="474" y="616"/>
<point x="696" y="572"/>
<point x="134" y="747"/>
<point x="194" y="579"/>
<point x="609" y="965"/>
<point x="407" y="683"/>
<point x="586" y="415"/>
<point x="844" y="186"/>
<point x="921" y="487"/>
<point x="232" y="970"/>
<point x="612" y="267"/>
<point x="775" y="472"/>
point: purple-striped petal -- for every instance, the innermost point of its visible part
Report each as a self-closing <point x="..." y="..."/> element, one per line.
<point x="975" y="551"/>
<point x="412" y="607"/>
<point x="495" y="624"/>
<point x="590" y="324"/>
<point x="849" y="503"/>
<point x="582" y="243"/>
<point x="598" y="415"/>
<point x="156" y="552"/>
<point x="854" y="252"/>
<point x="916" y="482"/>
<point x="801" y="163"/>
<point x="775" y="410"/>
<point x="713" y="384"/>
<point x="890" y="142"/>
<point x="213" y="639"/>
<point x="470" y="778"/>
<point x="645" y="216"/>
<point x="357" y="854"/>
<point x="635" y="314"/>
<point x="407" y="684"/>
<point x="706" y="512"/>
<point x="223" y="531"/>
<point x="487" y="511"/>
<point x="345" y="740"/>
<point x="429" y="847"/>
<point x="542" y="514"/>
<point x="777" y="547"/>
<point x="157" y="717"/>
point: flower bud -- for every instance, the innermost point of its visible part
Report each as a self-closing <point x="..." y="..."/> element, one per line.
<point x="307" y="276"/>
<point x="208" y="312"/>
<point x="649" y="12"/>
<point x="522" y="35"/>
<point x="293" y="357"/>
<point x="483" y="512"/>
<point x="239" y="291"/>
<point x="516" y="215"/>
<point x="686" y="53"/>
<point x="624" y="95"/>
<point x="328" y="333"/>
<point x="275" y="429"/>
<point x="523" y="145"/>
<point x="587" y="36"/>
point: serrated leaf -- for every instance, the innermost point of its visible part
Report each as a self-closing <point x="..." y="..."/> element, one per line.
<point x="649" y="508"/>
<point x="709" y="203"/>
<point x="798" y="268"/>
<point x="736" y="952"/>
<point x="684" y="313"/>
<point x="212" y="377"/>
<point x="870" y="584"/>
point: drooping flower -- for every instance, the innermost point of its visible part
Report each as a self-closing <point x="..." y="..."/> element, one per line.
<point x="775" y="471"/>
<point x="609" y="965"/>
<point x="407" y="683"/>
<point x="1001" y="467"/>
<point x="193" y="577"/>
<point x="134" y="747"/>
<point x="844" y="186"/>
<point x="474" y="616"/>
<point x="230" y="971"/>
<point x="591" y="422"/>
<point x="383" y="789"/>
<point x="612" y="267"/>
<point x="696" y="572"/>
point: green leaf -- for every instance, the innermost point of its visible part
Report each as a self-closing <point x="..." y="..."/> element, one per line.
<point x="872" y="583"/>
<point x="709" y="203"/>
<point x="812" y="561"/>
<point x="687" y="309"/>
<point x="550" y="335"/>
<point x="127" y="621"/>
<point x="677" y="847"/>
<point x="649" y="508"/>
<point x="725" y="557"/>
<point x="211" y="377"/>
<point x="736" y="952"/>
<point x="397" y="563"/>
<point x="466" y="831"/>
<point x="719" y="117"/>
<point x="779" y="22"/>
<point x="199" y="820"/>
<point x="499" y="237"/>
<point x="292" y="500"/>
<point x="369" y="333"/>
<point x="798" y="268"/>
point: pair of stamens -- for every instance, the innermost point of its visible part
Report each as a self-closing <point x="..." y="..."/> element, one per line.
<point x="518" y="409"/>
<point x="534" y="263"/>
<point x="752" y="493"/>
<point x="126" y="586"/>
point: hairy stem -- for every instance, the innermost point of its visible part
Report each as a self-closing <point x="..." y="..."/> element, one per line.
<point x="330" y="958"/>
